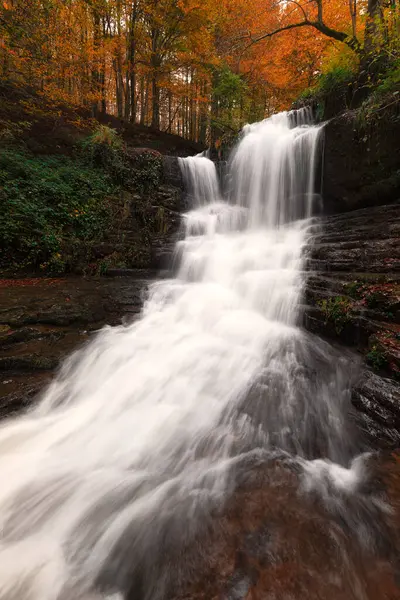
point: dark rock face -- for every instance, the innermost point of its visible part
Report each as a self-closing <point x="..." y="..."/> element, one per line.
<point x="353" y="296"/>
<point x="172" y="172"/>
<point x="148" y="223"/>
<point x="361" y="162"/>
<point x="378" y="401"/>
<point x="42" y="321"/>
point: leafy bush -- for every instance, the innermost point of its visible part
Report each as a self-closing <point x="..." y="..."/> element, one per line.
<point x="376" y="358"/>
<point x="55" y="209"/>
<point x="332" y="89"/>
<point x="44" y="201"/>
<point x="145" y="171"/>
<point x="107" y="136"/>
<point x="384" y="99"/>
<point x="105" y="149"/>
<point x="337" y="310"/>
<point x="335" y="81"/>
<point x="390" y="81"/>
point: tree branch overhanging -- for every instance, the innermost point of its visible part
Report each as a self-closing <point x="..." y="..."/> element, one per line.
<point x="350" y="41"/>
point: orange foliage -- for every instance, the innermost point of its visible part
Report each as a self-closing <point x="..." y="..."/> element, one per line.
<point x="155" y="61"/>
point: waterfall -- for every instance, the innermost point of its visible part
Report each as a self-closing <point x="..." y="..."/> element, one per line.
<point x="200" y="177"/>
<point x="273" y="169"/>
<point x="141" y="434"/>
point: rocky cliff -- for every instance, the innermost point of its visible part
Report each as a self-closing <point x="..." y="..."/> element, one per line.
<point x="353" y="290"/>
<point x="361" y="160"/>
<point x="353" y="297"/>
<point x="145" y="229"/>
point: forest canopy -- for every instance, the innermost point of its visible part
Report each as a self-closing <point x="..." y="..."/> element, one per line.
<point x="197" y="68"/>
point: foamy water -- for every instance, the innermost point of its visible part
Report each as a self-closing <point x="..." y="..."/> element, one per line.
<point x="135" y="440"/>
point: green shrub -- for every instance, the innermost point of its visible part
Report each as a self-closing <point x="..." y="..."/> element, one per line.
<point x="104" y="135"/>
<point x="376" y="358"/>
<point x="332" y="86"/>
<point x="384" y="98"/>
<point x="145" y="171"/>
<point x="45" y="200"/>
<point x="105" y="149"/>
<point x="390" y="81"/>
<point x="354" y="289"/>
<point x="335" y="81"/>
<point x="337" y="310"/>
<point x="55" y="207"/>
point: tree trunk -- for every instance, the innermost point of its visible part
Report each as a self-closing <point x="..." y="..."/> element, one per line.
<point x="142" y="101"/>
<point x="372" y="27"/>
<point x="127" y="95"/>
<point x="95" y="67"/>
<point x="118" y="90"/>
<point x="155" y="92"/>
<point x="133" y="97"/>
<point x="103" y="76"/>
<point x="203" y="117"/>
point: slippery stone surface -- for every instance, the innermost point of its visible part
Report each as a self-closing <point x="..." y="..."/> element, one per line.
<point x="353" y="296"/>
<point x="272" y="540"/>
<point x="378" y="402"/>
<point x="44" y="320"/>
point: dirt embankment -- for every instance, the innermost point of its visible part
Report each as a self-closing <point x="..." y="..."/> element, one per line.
<point x="48" y="128"/>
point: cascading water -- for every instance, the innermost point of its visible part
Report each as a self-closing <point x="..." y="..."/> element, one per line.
<point x="140" y="435"/>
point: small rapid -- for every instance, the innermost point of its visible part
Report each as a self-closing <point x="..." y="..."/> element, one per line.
<point x="140" y="436"/>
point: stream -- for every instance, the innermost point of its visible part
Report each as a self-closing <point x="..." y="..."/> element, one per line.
<point x="210" y="425"/>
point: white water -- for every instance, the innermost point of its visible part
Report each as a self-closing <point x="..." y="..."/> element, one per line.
<point x="136" y="439"/>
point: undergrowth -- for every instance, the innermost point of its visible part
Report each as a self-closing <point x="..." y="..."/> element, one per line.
<point x="54" y="208"/>
<point x="376" y="358"/>
<point x="105" y="149"/>
<point x="370" y="87"/>
<point x="384" y="98"/>
<point x="44" y="201"/>
<point x="335" y="84"/>
<point x="337" y="310"/>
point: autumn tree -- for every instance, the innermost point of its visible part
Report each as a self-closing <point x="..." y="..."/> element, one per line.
<point x="192" y="67"/>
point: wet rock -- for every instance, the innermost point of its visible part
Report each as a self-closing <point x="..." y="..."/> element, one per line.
<point x="361" y="164"/>
<point x="273" y="541"/>
<point x="29" y="362"/>
<point x="122" y="272"/>
<point x="25" y="334"/>
<point x="172" y="172"/>
<point x="42" y="324"/>
<point x="352" y="296"/>
<point x="103" y="249"/>
<point x="163" y="254"/>
<point x="379" y="397"/>
<point x="18" y="391"/>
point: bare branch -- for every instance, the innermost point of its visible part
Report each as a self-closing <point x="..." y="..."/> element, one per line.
<point x="279" y="30"/>
<point x="340" y="36"/>
<point x="301" y="8"/>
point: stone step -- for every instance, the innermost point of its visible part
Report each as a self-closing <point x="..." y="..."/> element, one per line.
<point x="377" y="400"/>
